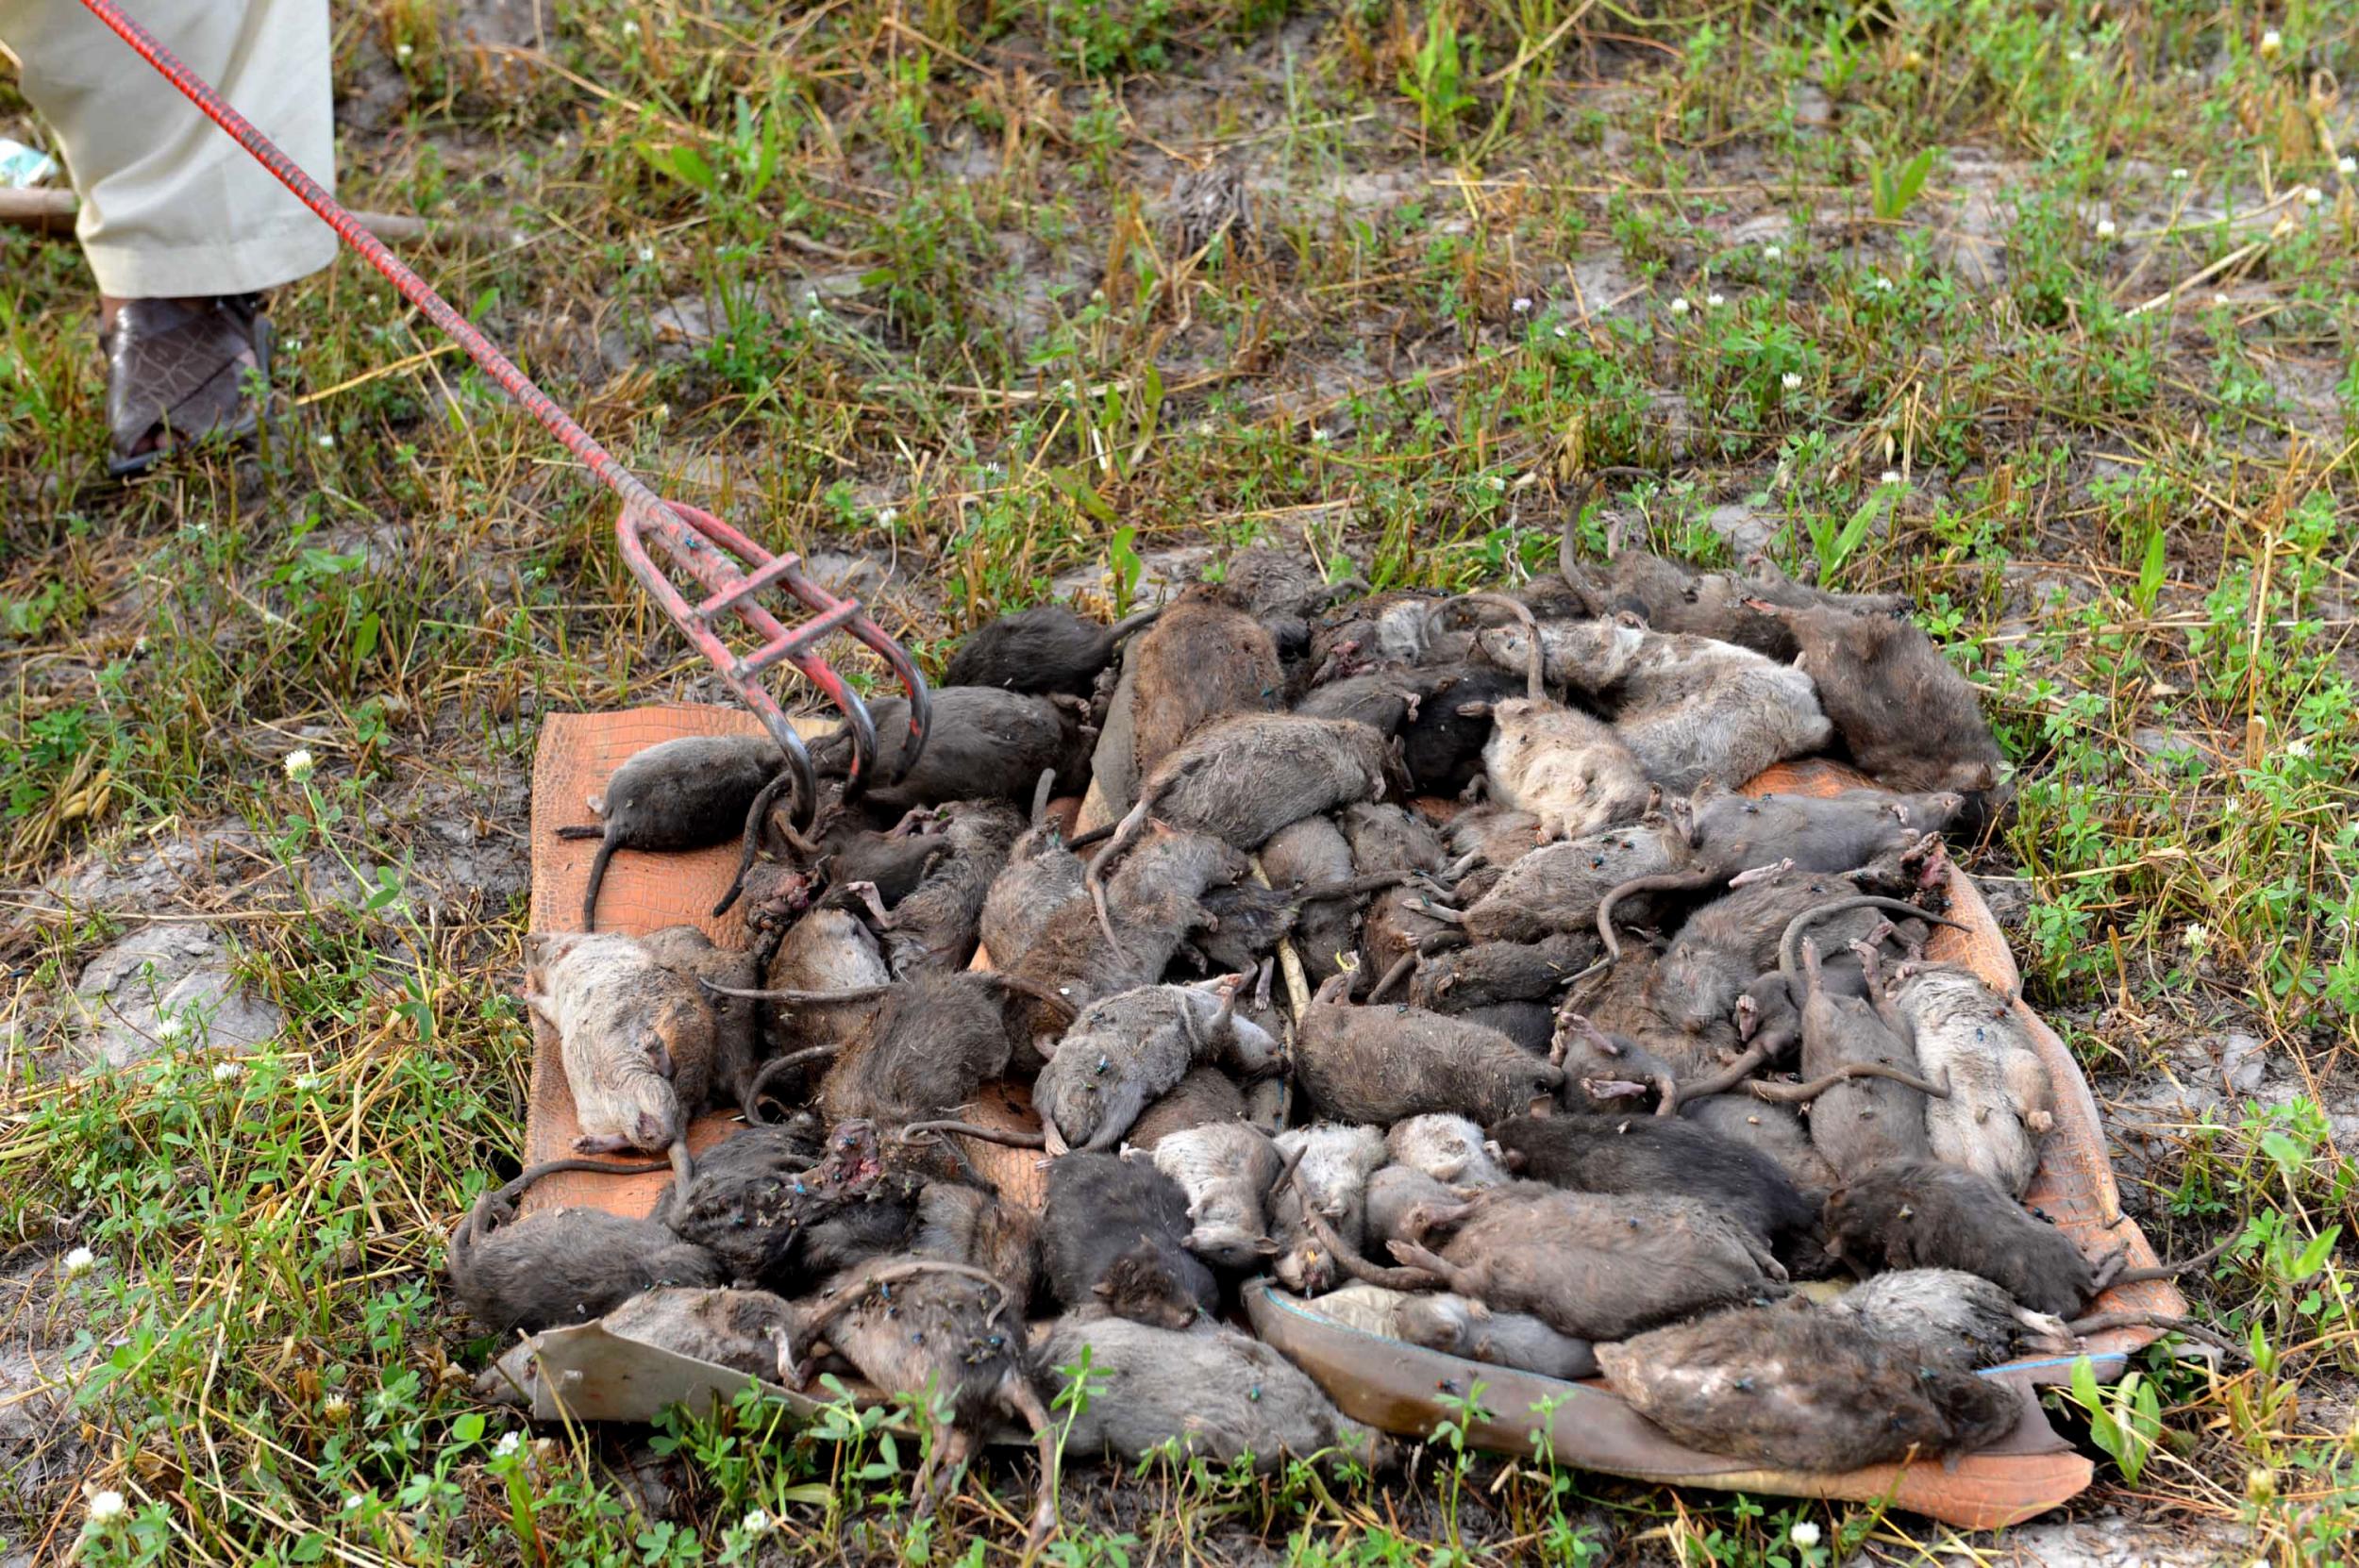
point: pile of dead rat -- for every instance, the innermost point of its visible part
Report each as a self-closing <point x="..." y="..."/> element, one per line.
<point x="1423" y="957"/>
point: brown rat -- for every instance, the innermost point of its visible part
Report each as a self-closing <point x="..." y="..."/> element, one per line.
<point x="736" y="1022"/>
<point x="1663" y="1155"/>
<point x="1949" y="1319"/>
<point x="964" y="1224"/>
<point x="1572" y="772"/>
<point x="1204" y="1096"/>
<point x="681" y="793"/>
<point x="945" y="1331"/>
<point x="1799" y="1388"/>
<point x="747" y="1332"/>
<point x="1558" y="888"/>
<point x="1917" y="1213"/>
<point x="1673" y="597"/>
<point x="1043" y="650"/>
<point x="1387" y="836"/>
<point x="1223" y="1394"/>
<point x="565" y="1266"/>
<point x="1113" y="1238"/>
<point x="1382" y="1063"/>
<point x="1490" y="973"/>
<point x="1203" y="660"/>
<point x="1225" y="1169"/>
<point x="1127" y="1050"/>
<point x="637" y="1040"/>
<point x="1310" y="853"/>
<point x="1042" y="873"/>
<point x="1591" y="1267"/>
<point x="1910" y="720"/>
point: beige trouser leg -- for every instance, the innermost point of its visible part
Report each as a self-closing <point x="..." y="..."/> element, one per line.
<point x="171" y="206"/>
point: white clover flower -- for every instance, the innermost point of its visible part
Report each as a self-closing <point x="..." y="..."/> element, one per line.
<point x="1883" y="284"/>
<point x="2348" y="164"/>
<point x="755" y="1522"/>
<point x="1790" y="381"/>
<point x="2105" y="230"/>
<point x="1891" y="476"/>
<point x="2312" y="195"/>
<point x="2076" y="55"/>
<point x="2222" y="299"/>
<point x="1561" y="331"/>
<point x="81" y="1261"/>
<point x="888" y="517"/>
<point x="1496" y="481"/>
<point x="1522" y="306"/>
<point x="1318" y="432"/>
<point x="508" y="1445"/>
<point x="2197" y="938"/>
<point x="2179" y="173"/>
<point x="1679" y="306"/>
<point x="2299" y="747"/>
<point x="327" y="441"/>
<point x="2272" y="45"/>
<point x="171" y="1028"/>
<point x="646" y="253"/>
<point x="631" y="28"/>
<point x="1772" y="253"/>
<point x="228" y="1072"/>
<point x="1805" y="1533"/>
<point x="299" y="765"/>
<point x="403" y="51"/>
<point x="1715" y="301"/>
<point x="106" y="1508"/>
<point x="335" y="1407"/>
<point x="355" y="1502"/>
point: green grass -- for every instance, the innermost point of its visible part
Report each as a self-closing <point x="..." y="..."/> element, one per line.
<point x="951" y="329"/>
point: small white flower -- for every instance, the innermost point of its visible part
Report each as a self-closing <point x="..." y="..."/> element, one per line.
<point x="2076" y="55"/>
<point x="1679" y="306"/>
<point x="2105" y="230"/>
<point x="1805" y="1533"/>
<point x="1891" y="476"/>
<point x="508" y="1445"/>
<point x="355" y="1503"/>
<point x="1522" y="306"/>
<point x="646" y="253"/>
<point x="327" y="441"/>
<point x="299" y="764"/>
<point x="2312" y="196"/>
<point x="2197" y="938"/>
<point x="138" y="647"/>
<point x="1772" y="253"/>
<point x="888" y="517"/>
<point x="169" y="1029"/>
<point x="228" y="1072"/>
<point x="311" y="1083"/>
<point x="1883" y="284"/>
<point x="755" y="1522"/>
<point x="630" y="29"/>
<point x="1715" y="301"/>
<point x="1496" y="481"/>
<point x="814" y="314"/>
<point x="2299" y="747"/>
<point x="105" y="1507"/>
<point x="2179" y="173"/>
<point x="2272" y="45"/>
<point x="81" y="1261"/>
<point x="1561" y="331"/>
<point x="403" y="51"/>
<point x="1790" y="381"/>
<point x="1318" y="432"/>
<point x="2348" y="164"/>
<point x="335" y="1407"/>
<point x="2222" y="299"/>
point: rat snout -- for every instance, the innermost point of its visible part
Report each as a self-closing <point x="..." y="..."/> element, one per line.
<point x="648" y="1131"/>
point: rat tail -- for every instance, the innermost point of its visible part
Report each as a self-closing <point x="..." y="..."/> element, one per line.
<point x="597" y="876"/>
<point x="751" y="842"/>
<point x="1789" y="945"/>
<point x="584" y="830"/>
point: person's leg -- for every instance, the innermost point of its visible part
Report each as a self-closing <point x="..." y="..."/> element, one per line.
<point x="179" y="222"/>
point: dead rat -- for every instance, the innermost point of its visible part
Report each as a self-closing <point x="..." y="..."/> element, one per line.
<point x="1206" y="1096"/>
<point x="1530" y="1025"/>
<point x="1329" y="1168"/>
<point x="1450" y="1149"/>
<point x="1910" y="720"/>
<point x="2000" y="1102"/>
<point x="1492" y="972"/>
<point x="781" y="1211"/>
<point x="1490" y="837"/>
<point x="745" y="1330"/>
<point x="1226" y="1170"/>
<point x="1041" y="873"/>
<point x="934" y="929"/>
<point x="1394" y="627"/>
<point x="1591" y="1267"/>
<point x="1917" y="1213"/>
<point x="1608" y="1071"/>
<point x="1776" y="1130"/>
<point x="1570" y="771"/>
<point x="922" y="1326"/>
<point x="1223" y="1394"/>
<point x="1310" y="853"/>
<point x="565" y="1266"/>
<point x="828" y="950"/>
<point x="682" y="793"/>
<point x="982" y="743"/>
<point x="1203" y="660"/>
<point x="1385" y="836"/>
<point x="1393" y="1195"/>
<point x="1242" y="778"/>
<point x="1863" y="1122"/>
<point x="1798" y="1389"/>
<point x="1043" y="650"/>
<point x="1113" y="1237"/>
<point x="1659" y="1155"/>
<point x="1949" y="1319"/>
<point x="687" y="951"/>
<point x="1459" y="1327"/>
<point x="1381" y="1064"/>
<point x="1559" y="887"/>
<point x="1380" y="699"/>
<point x="965" y="1225"/>
<point x="1442" y="738"/>
<point x="1673" y="597"/>
<point x="1128" y="1049"/>
<point x="636" y="1039"/>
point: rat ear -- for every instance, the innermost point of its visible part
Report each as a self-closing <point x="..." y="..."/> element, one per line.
<point x="1264" y="1247"/>
<point x="1103" y="1290"/>
<point x="1474" y="709"/>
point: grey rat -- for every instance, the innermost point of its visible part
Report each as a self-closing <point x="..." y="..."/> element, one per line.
<point x="747" y="1332"/>
<point x="1043" y="650"/>
<point x="1382" y="1063"/>
<point x="637" y="1040"/>
<point x="1909" y="719"/>
<point x="682" y="793"/>
<point x="935" y="928"/>
<point x="1041" y="873"/>
<point x="1949" y="1319"/>
<point x="1919" y="1213"/>
<point x="1309" y="853"/>
<point x="1204" y="1096"/>
<point x="563" y="1265"/>
<point x="1861" y="1122"/>
<point x="1663" y="1155"/>
<point x="1125" y="1051"/>
<point x="1451" y="1149"/>
<point x="983" y="743"/>
<point x="1225" y="1169"/>
<point x="1329" y="1166"/>
<point x="2000" y="1102"/>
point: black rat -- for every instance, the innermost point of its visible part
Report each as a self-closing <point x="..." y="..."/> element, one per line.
<point x="1113" y="1237"/>
<point x="1043" y="650"/>
<point x="1443" y="738"/>
<point x="781" y="1209"/>
<point x="934" y="929"/>
<point x="1798" y="1389"/>
<point x="682" y="793"/>
<point x="982" y="743"/>
<point x="1919" y="1213"/>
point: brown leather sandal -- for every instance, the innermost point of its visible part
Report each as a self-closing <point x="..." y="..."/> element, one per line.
<point x="176" y="373"/>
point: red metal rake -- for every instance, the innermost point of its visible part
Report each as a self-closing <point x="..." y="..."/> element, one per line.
<point x="732" y="571"/>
